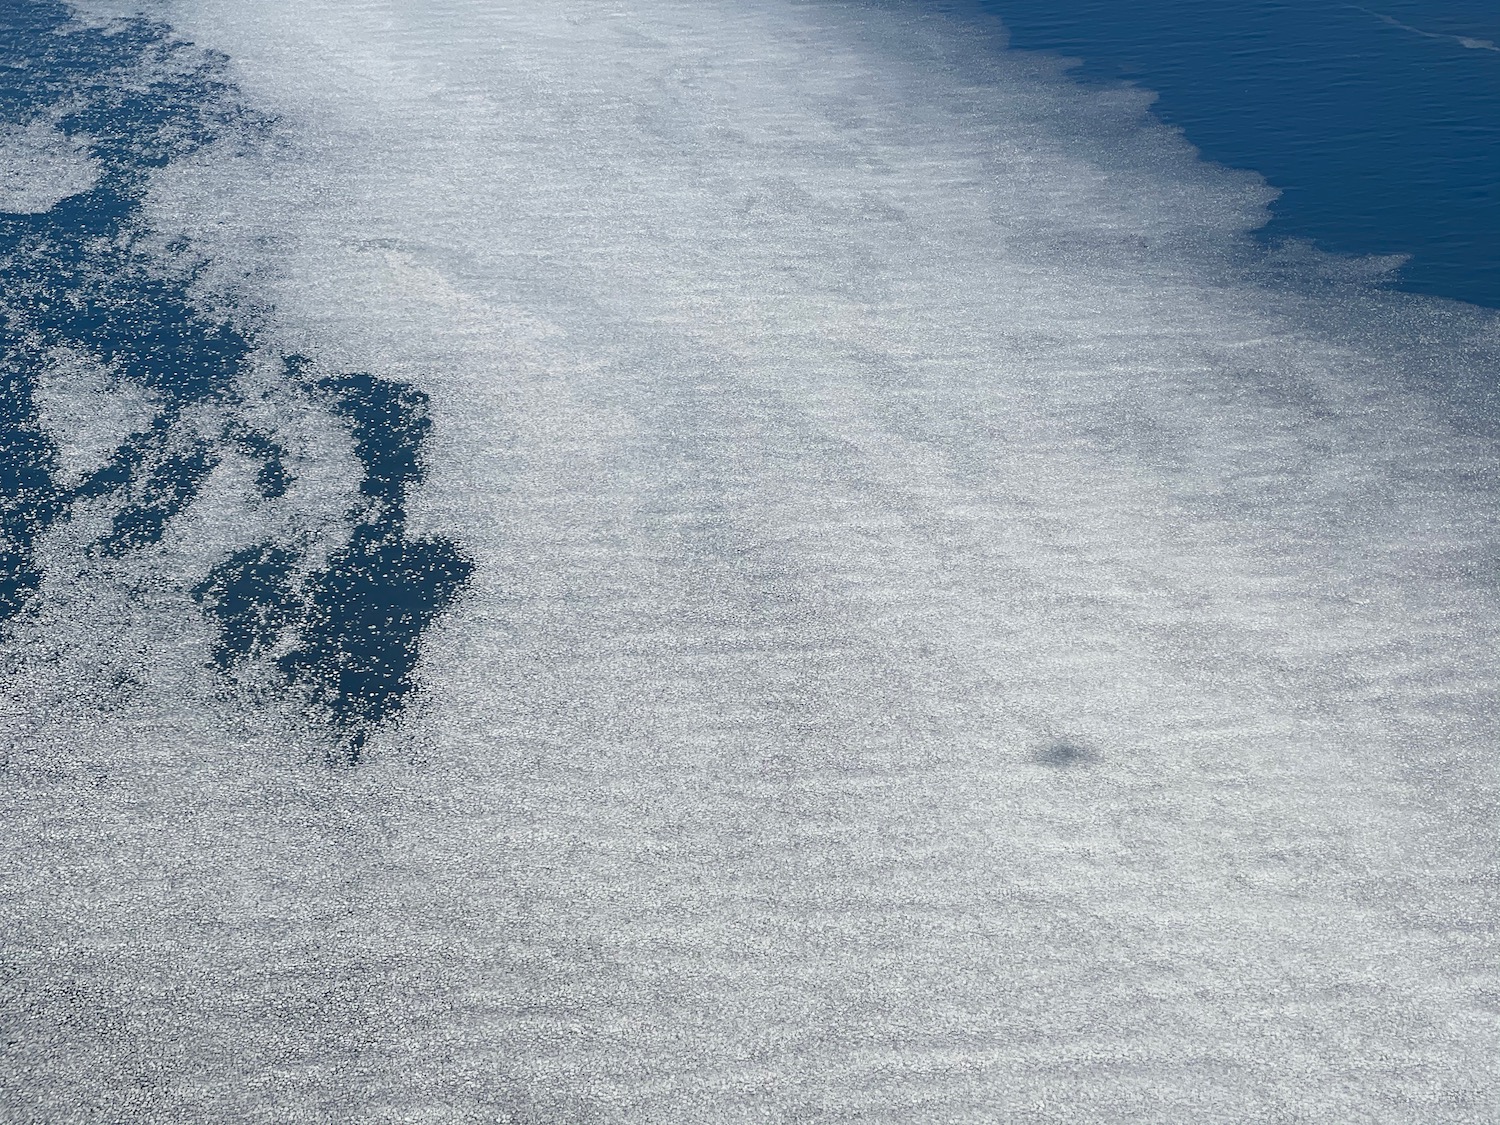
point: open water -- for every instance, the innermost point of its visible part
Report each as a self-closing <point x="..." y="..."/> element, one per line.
<point x="1379" y="124"/>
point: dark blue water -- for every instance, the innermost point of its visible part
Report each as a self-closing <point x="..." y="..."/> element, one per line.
<point x="1379" y="123"/>
<point x="87" y="275"/>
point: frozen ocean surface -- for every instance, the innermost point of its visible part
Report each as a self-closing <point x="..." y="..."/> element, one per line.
<point x="718" y="561"/>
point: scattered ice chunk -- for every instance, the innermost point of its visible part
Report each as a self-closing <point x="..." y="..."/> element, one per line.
<point x="41" y="166"/>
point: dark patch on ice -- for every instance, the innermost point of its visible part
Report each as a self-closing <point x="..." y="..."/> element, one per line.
<point x="272" y="480"/>
<point x="366" y="613"/>
<point x="1064" y="754"/>
<point x="389" y="423"/>
<point x="89" y="276"/>
<point x="354" y="624"/>
<point x="165" y="490"/>
<point x="251" y="598"/>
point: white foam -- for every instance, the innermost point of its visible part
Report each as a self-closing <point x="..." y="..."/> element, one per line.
<point x="843" y="414"/>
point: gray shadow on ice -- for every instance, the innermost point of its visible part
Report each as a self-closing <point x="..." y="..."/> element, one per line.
<point x="1064" y="754"/>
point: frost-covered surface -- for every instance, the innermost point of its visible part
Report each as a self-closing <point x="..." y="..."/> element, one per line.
<point x="953" y="636"/>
